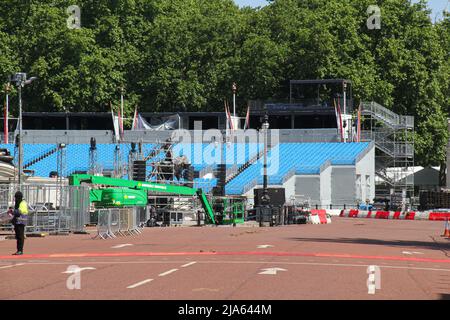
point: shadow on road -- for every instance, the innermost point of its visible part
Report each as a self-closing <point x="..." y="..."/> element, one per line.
<point x="393" y="243"/>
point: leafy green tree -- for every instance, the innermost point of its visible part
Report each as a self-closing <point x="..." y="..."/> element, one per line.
<point x="183" y="55"/>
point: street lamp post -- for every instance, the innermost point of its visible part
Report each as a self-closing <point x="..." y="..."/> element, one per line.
<point x="265" y="199"/>
<point x="7" y="91"/>
<point x="234" y="88"/>
<point x="20" y="79"/>
<point x="20" y="137"/>
<point x="345" y="111"/>
<point x="265" y="127"/>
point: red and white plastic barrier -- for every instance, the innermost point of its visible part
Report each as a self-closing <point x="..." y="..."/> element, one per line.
<point x="319" y="217"/>
<point x="439" y="216"/>
<point x="396" y="215"/>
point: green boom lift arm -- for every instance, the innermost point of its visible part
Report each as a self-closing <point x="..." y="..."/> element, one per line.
<point x="77" y="179"/>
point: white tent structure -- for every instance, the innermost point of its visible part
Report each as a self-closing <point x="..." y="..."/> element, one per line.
<point x="426" y="178"/>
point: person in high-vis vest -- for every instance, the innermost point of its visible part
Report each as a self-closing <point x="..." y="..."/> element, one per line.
<point x="20" y="218"/>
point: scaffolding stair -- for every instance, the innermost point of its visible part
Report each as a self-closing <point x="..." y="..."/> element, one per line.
<point x="154" y="152"/>
<point x="393" y="138"/>
<point x="387" y="116"/>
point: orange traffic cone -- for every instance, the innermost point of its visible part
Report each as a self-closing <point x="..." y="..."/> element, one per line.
<point x="447" y="230"/>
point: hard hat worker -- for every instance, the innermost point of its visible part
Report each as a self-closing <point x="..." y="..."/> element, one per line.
<point x="19" y="221"/>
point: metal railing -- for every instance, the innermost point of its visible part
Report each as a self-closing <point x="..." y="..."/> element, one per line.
<point x="114" y="222"/>
<point x="389" y="146"/>
<point x="387" y="116"/>
<point x="232" y="171"/>
<point x="244" y="166"/>
<point x="51" y="209"/>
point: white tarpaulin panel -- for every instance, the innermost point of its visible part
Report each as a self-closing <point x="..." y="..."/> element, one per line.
<point x="167" y="123"/>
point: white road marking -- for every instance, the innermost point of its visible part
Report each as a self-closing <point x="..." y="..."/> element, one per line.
<point x="121" y="246"/>
<point x="139" y="284"/>
<point x="410" y="253"/>
<point x="167" y="272"/>
<point x="188" y="264"/>
<point x="12" y="265"/>
<point x="271" y="270"/>
<point x="264" y="246"/>
<point x="245" y="262"/>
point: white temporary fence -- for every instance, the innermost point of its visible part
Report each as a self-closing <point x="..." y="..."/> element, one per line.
<point x="114" y="222"/>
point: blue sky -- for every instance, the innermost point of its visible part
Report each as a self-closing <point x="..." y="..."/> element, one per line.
<point x="436" y="5"/>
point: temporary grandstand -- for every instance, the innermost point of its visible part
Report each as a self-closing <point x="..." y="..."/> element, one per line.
<point x="324" y="172"/>
<point x="315" y="161"/>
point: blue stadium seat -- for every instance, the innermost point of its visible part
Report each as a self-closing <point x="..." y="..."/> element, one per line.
<point x="301" y="158"/>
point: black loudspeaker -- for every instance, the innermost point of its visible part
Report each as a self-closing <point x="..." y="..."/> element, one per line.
<point x="221" y="175"/>
<point x="277" y="196"/>
<point x="139" y="170"/>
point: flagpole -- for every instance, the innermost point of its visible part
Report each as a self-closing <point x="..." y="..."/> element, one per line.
<point x="133" y="126"/>
<point x="121" y="112"/>
<point x="359" y="123"/>
<point x="121" y="101"/>
<point x="234" y="87"/>
<point x="114" y="122"/>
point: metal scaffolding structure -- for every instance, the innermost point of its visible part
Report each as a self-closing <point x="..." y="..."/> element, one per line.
<point x="393" y="135"/>
<point x="162" y="167"/>
<point x="175" y="209"/>
<point x="160" y="162"/>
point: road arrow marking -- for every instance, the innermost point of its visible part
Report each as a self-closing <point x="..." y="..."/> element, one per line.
<point x="264" y="246"/>
<point x="78" y="270"/>
<point x="121" y="246"/>
<point x="271" y="270"/>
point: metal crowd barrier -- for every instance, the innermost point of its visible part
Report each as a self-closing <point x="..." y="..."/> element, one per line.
<point x="116" y="222"/>
<point x="51" y="209"/>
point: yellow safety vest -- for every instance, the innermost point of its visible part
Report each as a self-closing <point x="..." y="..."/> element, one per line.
<point x="23" y="210"/>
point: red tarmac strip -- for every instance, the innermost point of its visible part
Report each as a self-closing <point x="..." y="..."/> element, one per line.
<point x="225" y="253"/>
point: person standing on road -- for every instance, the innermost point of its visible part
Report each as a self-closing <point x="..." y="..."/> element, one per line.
<point x="19" y="221"/>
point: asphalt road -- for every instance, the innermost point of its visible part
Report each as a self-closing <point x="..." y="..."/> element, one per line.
<point x="291" y="262"/>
